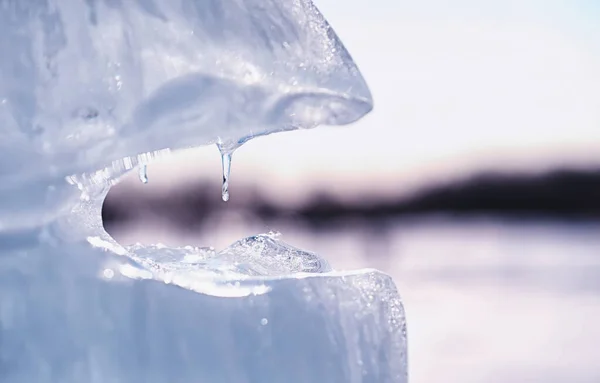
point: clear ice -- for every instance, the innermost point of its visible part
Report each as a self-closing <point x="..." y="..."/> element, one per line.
<point x="143" y="174"/>
<point x="207" y="271"/>
<point x="226" y="163"/>
<point x="90" y="90"/>
<point x="267" y="254"/>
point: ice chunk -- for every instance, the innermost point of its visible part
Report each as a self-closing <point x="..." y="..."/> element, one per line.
<point x="78" y="316"/>
<point x="108" y="84"/>
<point x="84" y="83"/>
<point x="94" y="85"/>
<point x="206" y="271"/>
<point x="266" y="255"/>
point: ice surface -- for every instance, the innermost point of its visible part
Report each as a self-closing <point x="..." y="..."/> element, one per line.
<point x="266" y="255"/>
<point x="84" y="83"/>
<point x="87" y="85"/>
<point x="73" y="314"/>
<point x="92" y="89"/>
<point x="205" y="270"/>
<point x="64" y="321"/>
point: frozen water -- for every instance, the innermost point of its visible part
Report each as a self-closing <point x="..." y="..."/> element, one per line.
<point x="267" y="255"/>
<point x="65" y="321"/>
<point x="226" y="161"/>
<point x="200" y="268"/>
<point x="143" y="174"/>
<point x="86" y="83"/>
<point x="93" y="89"/>
<point x="74" y="314"/>
<point x="89" y="85"/>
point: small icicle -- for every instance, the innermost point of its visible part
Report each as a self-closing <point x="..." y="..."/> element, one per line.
<point x="226" y="160"/>
<point x="227" y="148"/>
<point x="143" y="174"/>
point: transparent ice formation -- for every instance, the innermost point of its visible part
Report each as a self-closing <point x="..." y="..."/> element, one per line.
<point x="220" y="273"/>
<point x="266" y="254"/>
<point x="91" y="89"/>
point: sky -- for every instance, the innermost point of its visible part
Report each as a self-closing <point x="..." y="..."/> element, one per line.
<point x="459" y="87"/>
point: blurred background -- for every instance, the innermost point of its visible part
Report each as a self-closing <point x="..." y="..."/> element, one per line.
<point x="475" y="183"/>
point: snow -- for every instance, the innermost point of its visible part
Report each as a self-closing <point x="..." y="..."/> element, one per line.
<point x="90" y="90"/>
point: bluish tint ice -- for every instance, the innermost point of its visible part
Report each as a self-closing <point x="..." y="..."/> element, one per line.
<point x="206" y="270"/>
<point x="92" y="89"/>
<point x="143" y="174"/>
<point x="226" y="163"/>
<point x="267" y="254"/>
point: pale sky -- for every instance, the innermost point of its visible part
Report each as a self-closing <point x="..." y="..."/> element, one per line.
<point x="458" y="86"/>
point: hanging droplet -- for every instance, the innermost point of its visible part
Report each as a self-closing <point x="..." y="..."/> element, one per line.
<point x="227" y="148"/>
<point x="226" y="160"/>
<point x="143" y="174"/>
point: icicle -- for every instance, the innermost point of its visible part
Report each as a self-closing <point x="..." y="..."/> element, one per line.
<point x="226" y="150"/>
<point x="143" y="174"/>
<point x="226" y="161"/>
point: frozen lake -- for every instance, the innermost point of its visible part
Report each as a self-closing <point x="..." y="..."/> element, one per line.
<point x="487" y="300"/>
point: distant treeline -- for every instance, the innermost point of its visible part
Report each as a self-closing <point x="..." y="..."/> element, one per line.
<point x="557" y="194"/>
<point x="561" y="193"/>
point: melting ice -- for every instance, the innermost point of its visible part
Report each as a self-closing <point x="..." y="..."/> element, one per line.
<point x="259" y="255"/>
<point x="92" y="89"/>
<point x="226" y="163"/>
<point x="219" y="273"/>
<point x="143" y="174"/>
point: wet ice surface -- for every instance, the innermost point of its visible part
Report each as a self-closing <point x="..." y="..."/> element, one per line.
<point x="93" y="89"/>
<point x="259" y="255"/>
<point x="267" y="254"/>
<point x="223" y="273"/>
<point x="83" y="317"/>
<point x="87" y="83"/>
<point x="488" y="300"/>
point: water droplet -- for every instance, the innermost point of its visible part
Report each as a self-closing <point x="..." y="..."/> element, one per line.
<point x="264" y="321"/>
<point x="143" y="174"/>
<point x="227" y="148"/>
<point x="226" y="160"/>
